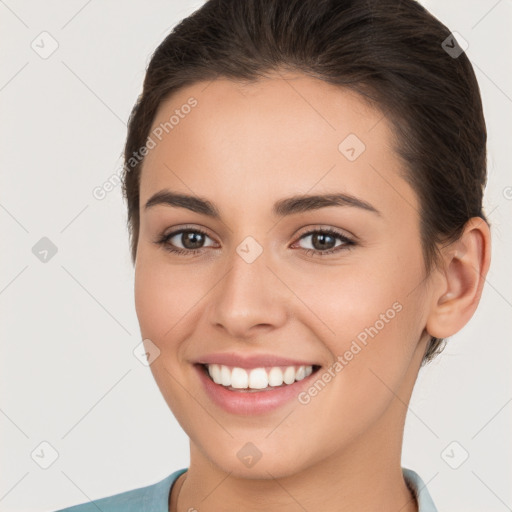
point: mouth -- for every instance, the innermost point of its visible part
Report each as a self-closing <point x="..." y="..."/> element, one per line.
<point x="254" y="380"/>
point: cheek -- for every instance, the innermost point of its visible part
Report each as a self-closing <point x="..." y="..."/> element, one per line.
<point x="376" y="329"/>
<point x="356" y="300"/>
<point x="164" y="301"/>
<point x="163" y="298"/>
<point x="370" y="314"/>
<point x="151" y="301"/>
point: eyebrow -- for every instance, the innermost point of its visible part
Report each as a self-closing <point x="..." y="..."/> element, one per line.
<point x="281" y="208"/>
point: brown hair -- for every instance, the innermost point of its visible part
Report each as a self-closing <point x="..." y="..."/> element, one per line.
<point x="395" y="54"/>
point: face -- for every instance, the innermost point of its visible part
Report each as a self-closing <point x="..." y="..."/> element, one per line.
<point x="243" y="276"/>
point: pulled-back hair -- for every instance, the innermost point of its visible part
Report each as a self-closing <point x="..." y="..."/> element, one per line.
<point x="395" y="54"/>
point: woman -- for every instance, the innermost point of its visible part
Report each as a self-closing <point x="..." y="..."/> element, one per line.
<point x="304" y="183"/>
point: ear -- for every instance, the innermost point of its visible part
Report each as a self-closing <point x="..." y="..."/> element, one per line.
<point x="457" y="293"/>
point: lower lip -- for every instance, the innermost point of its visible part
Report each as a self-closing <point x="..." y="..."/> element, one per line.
<point x="251" y="402"/>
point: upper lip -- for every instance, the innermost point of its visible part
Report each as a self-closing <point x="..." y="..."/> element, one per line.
<point x="250" y="361"/>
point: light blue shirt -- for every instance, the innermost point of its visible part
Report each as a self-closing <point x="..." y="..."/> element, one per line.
<point x="155" y="498"/>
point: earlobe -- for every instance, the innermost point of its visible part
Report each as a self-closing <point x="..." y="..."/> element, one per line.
<point x="465" y="265"/>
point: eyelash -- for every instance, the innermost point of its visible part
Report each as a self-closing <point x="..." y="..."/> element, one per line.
<point x="347" y="242"/>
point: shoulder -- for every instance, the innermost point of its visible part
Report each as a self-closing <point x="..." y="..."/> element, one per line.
<point x="152" y="498"/>
<point x="420" y="490"/>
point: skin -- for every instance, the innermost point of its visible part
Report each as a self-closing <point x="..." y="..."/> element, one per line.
<point x="243" y="147"/>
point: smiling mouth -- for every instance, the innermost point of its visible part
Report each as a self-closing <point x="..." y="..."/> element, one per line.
<point x="252" y="380"/>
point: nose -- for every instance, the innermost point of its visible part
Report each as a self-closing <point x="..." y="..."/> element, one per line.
<point x="249" y="298"/>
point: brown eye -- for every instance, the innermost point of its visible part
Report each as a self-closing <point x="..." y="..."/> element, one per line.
<point x="184" y="241"/>
<point x="192" y="239"/>
<point x="323" y="241"/>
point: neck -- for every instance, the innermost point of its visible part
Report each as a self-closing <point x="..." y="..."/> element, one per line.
<point x="365" y="476"/>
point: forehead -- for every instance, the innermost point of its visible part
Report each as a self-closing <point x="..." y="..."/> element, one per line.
<point x="283" y="135"/>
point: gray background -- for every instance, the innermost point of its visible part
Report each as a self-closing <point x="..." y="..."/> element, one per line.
<point x="68" y="376"/>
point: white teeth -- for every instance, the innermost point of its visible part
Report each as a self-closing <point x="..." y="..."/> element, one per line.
<point x="301" y="373"/>
<point x="257" y="378"/>
<point x="239" y="378"/>
<point x="275" y="377"/>
<point x="214" y="371"/>
<point x="289" y="375"/>
<point x="225" y="376"/>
